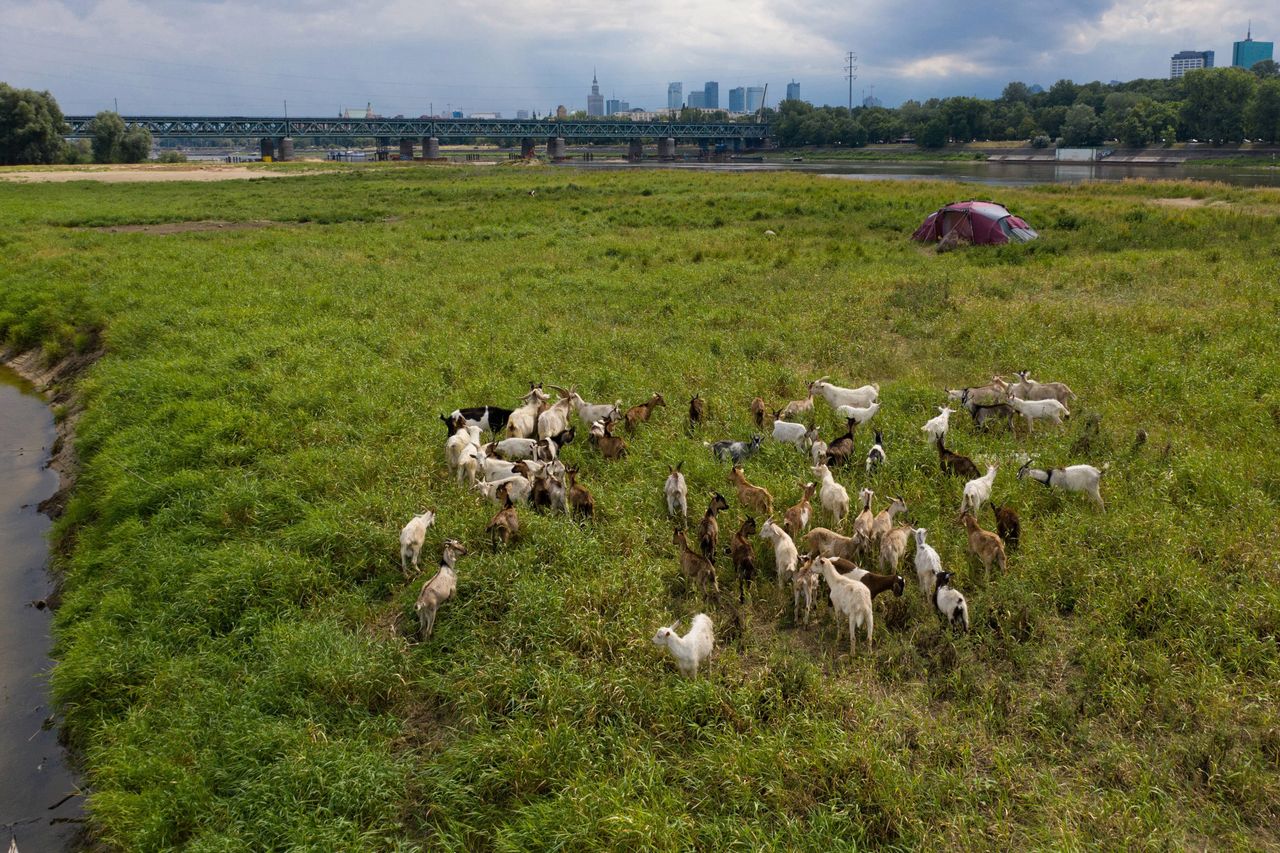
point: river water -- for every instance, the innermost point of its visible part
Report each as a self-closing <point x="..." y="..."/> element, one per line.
<point x="975" y="171"/>
<point x="34" y="775"/>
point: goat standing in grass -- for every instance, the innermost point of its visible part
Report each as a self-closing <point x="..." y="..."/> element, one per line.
<point x="833" y="496"/>
<point x="950" y="602"/>
<point x="796" y="519"/>
<point x="743" y="554"/>
<point x="1073" y="478"/>
<point x="785" y="555"/>
<point x="506" y="524"/>
<point x="697" y="411"/>
<point x="851" y="600"/>
<point x="677" y="494"/>
<point x="709" y="527"/>
<point x="928" y="564"/>
<point x="640" y="414"/>
<point x="440" y="588"/>
<point x="695" y="567"/>
<point x="754" y="498"/>
<point x="411" y="538"/>
<point x="876" y="456"/>
<point x="984" y="545"/>
<point x="691" y="649"/>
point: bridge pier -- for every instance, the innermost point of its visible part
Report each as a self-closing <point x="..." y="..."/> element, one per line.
<point x="406" y="149"/>
<point x="635" y="151"/>
<point x="284" y="149"/>
<point x="527" y="148"/>
<point x="382" y="153"/>
<point x="267" y="146"/>
<point x="556" y="149"/>
<point x="667" y="148"/>
<point x="430" y="148"/>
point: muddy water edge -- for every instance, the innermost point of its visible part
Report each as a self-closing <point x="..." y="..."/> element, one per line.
<point x="40" y="802"/>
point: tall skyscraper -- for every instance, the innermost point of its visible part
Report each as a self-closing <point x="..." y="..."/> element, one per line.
<point x="675" y="96"/>
<point x="522" y="114"/>
<point x="711" y="95"/>
<point x="1189" y="60"/>
<point x="793" y="91"/>
<point x="1247" y="53"/>
<point x="595" y="101"/>
<point x="697" y="99"/>
<point x="755" y="98"/>
<point x="738" y="100"/>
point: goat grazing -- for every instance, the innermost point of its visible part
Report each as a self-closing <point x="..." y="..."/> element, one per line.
<point x="737" y="451"/>
<point x="795" y="434"/>
<point x="691" y="649"/>
<point x="440" y="588"/>
<point x="785" y="555"/>
<point x="640" y="414"/>
<point x="754" y="498"/>
<point x="795" y="407"/>
<point x="523" y="422"/>
<point x="833" y="496"/>
<point x="1029" y="389"/>
<point x="518" y="487"/>
<point x="796" y="519"/>
<point x="950" y="602"/>
<point x="696" y="568"/>
<point x="928" y="564"/>
<point x="982" y="413"/>
<point x="828" y="543"/>
<point x="1007" y="524"/>
<point x="837" y="396"/>
<point x="851" y="599"/>
<point x="935" y="429"/>
<point x="983" y="395"/>
<point x="818" y="452"/>
<point x="840" y="450"/>
<point x="490" y="419"/>
<point x="513" y="449"/>
<point x="1073" y="478"/>
<point x="984" y="545"/>
<point x="677" y="493"/>
<point x="580" y="498"/>
<point x="893" y="545"/>
<point x="978" y="491"/>
<point x="589" y="413"/>
<point x="956" y="464"/>
<point x="872" y="581"/>
<point x="697" y="411"/>
<point x="875" y="456"/>
<point x="548" y="493"/>
<point x="1039" y="410"/>
<point x="883" y="521"/>
<point x="611" y="446"/>
<point x="758" y="411"/>
<point x="411" y="538"/>
<point x="506" y="524"/>
<point x="804" y="591"/>
<point x="743" y="554"/>
<point x="858" y="414"/>
<point x="709" y="527"/>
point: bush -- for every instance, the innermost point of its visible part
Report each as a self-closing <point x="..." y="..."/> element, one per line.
<point x="172" y="156"/>
<point x="1040" y="140"/>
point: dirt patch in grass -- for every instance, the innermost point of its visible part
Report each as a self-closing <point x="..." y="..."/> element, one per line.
<point x="143" y="174"/>
<point x="187" y="227"/>
<point x="1184" y="203"/>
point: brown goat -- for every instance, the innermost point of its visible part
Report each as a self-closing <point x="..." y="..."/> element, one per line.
<point x="874" y="582"/>
<point x="796" y="519"/>
<point x="697" y="410"/>
<point x="984" y="545"/>
<point x="696" y="568"/>
<point x="883" y="522"/>
<point x="804" y="590"/>
<point x="828" y="543"/>
<point x="955" y="464"/>
<point x="758" y="411"/>
<point x="709" y="527"/>
<point x="863" y="523"/>
<point x="743" y="554"/>
<point x="795" y="407"/>
<point x="840" y="449"/>
<point x="611" y="446"/>
<point x="754" y="498"/>
<point x="579" y="497"/>
<point x="641" y="413"/>
<point x="506" y="524"/>
<point x="1007" y="524"/>
<point x="892" y="546"/>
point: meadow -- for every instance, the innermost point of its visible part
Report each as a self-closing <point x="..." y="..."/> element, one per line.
<point x="236" y="659"/>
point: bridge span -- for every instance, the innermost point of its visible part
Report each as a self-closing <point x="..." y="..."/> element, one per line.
<point x="276" y="135"/>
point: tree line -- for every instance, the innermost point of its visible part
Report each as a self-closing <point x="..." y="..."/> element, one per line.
<point x="1219" y="105"/>
<point x="33" y="130"/>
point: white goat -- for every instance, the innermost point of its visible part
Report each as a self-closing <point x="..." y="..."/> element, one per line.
<point x="858" y="414"/>
<point x="833" y="496"/>
<point x="795" y="434"/>
<point x="876" y="455"/>
<point x="928" y="564"/>
<point x="785" y="555"/>
<point x="518" y="488"/>
<point x="691" y="649"/>
<point x="440" y="588"/>
<point x="1039" y="410"/>
<point x="936" y="428"/>
<point x="589" y="413"/>
<point x="1073" y="478"/>
<point x="1029" y="389"/>
<point x="468" y="436"/>
<point x="411" y="538"/>
<point x="523" y="422"/>
<point x="950" y="602"/>
<point x="513" y="449"/>
<point x="837" y="396"/>
<point x="677" y="493"/>
<point x="851" y="599"/>
<point x="817" y="451"/>
<point x="977" y="492"/>
<point x="555" y="419"/>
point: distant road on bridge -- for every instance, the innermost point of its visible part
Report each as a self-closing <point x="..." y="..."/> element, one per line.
<point x="443" y="129"/>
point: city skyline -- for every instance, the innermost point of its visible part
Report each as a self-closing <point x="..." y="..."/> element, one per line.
<point x="164" y="57"/>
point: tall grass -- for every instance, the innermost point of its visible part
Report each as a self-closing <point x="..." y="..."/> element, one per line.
<point x="232" y="648"/>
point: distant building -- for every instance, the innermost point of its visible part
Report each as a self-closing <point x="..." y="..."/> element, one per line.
<point x="522" y="114"/>
<point x="793" y="91"/>
<point x="1189" y="60"/>
<point x="738" y="100"/>
<point x="1248" y="53"/>
<point x="697" y="100"/>
<point x="561" y="112"/>
<point x="872" y="101"/>
<point x="613" y="106"/>
<point x="456" y="114"/>
<point x="755" y="98"/>
<point x="711" y="95"/>
<point x="675" y="96"/>
<point x="485" y="115"/>
<point x="1035" y="88"/>
<point x="595" y="101"/>
<point x="358" y="113"/>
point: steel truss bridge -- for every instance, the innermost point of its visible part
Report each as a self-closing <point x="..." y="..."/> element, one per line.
<point x="443" y="129"/>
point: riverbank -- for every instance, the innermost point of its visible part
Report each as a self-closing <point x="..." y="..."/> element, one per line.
<point x="236" y="650"/>
<point x="1201" y="156"/>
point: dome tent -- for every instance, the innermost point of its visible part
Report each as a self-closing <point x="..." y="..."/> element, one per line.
<point x="982" y="222"/>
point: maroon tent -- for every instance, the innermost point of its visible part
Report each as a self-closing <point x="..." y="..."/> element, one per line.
<point x="976" y="221"/>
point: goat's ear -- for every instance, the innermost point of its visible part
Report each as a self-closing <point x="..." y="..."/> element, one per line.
<point x="679" y="464"/>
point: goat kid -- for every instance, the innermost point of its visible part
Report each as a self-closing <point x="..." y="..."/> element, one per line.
<point x="439" y="588"/>
<point x="412" y="537"/>
<point x="754" y="498"/>
<point x="691" y="649"/>
<point x="677" y="493"/>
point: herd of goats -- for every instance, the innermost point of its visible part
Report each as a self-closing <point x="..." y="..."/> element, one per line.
<point x="521" y="466"/>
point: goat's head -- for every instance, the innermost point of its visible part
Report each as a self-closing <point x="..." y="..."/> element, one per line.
<point x="944" y="578"/>
<point x="718" y="503"/>
<point x="665" y="634"/>
<point x="898" y="585"/>
<point x="748" y="526"/>
<point x="920" y="533"/>
<point x="1023" y="471"/>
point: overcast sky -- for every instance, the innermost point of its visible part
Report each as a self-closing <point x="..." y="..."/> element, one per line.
<point x="410" y="56"/>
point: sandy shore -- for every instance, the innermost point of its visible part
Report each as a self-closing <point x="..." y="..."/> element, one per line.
<point x="143" y="173"/>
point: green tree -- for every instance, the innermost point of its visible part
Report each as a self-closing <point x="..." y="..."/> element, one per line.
<point x="31" y="127"/>
<point x="1016" y="93"/>
<point x="1062" y="94"/>
<point x="106" y="133"/>
<point x="1265" y="69"/>
<point x="135" y="146"/>
<point x="1216" y="98"/>
<point x="1262" y="115"/>
<point x="1081" y="126"/>
<point x="934" y="134"/>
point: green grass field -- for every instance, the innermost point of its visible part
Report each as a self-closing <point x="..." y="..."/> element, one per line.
<point x="235" y="658"/>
